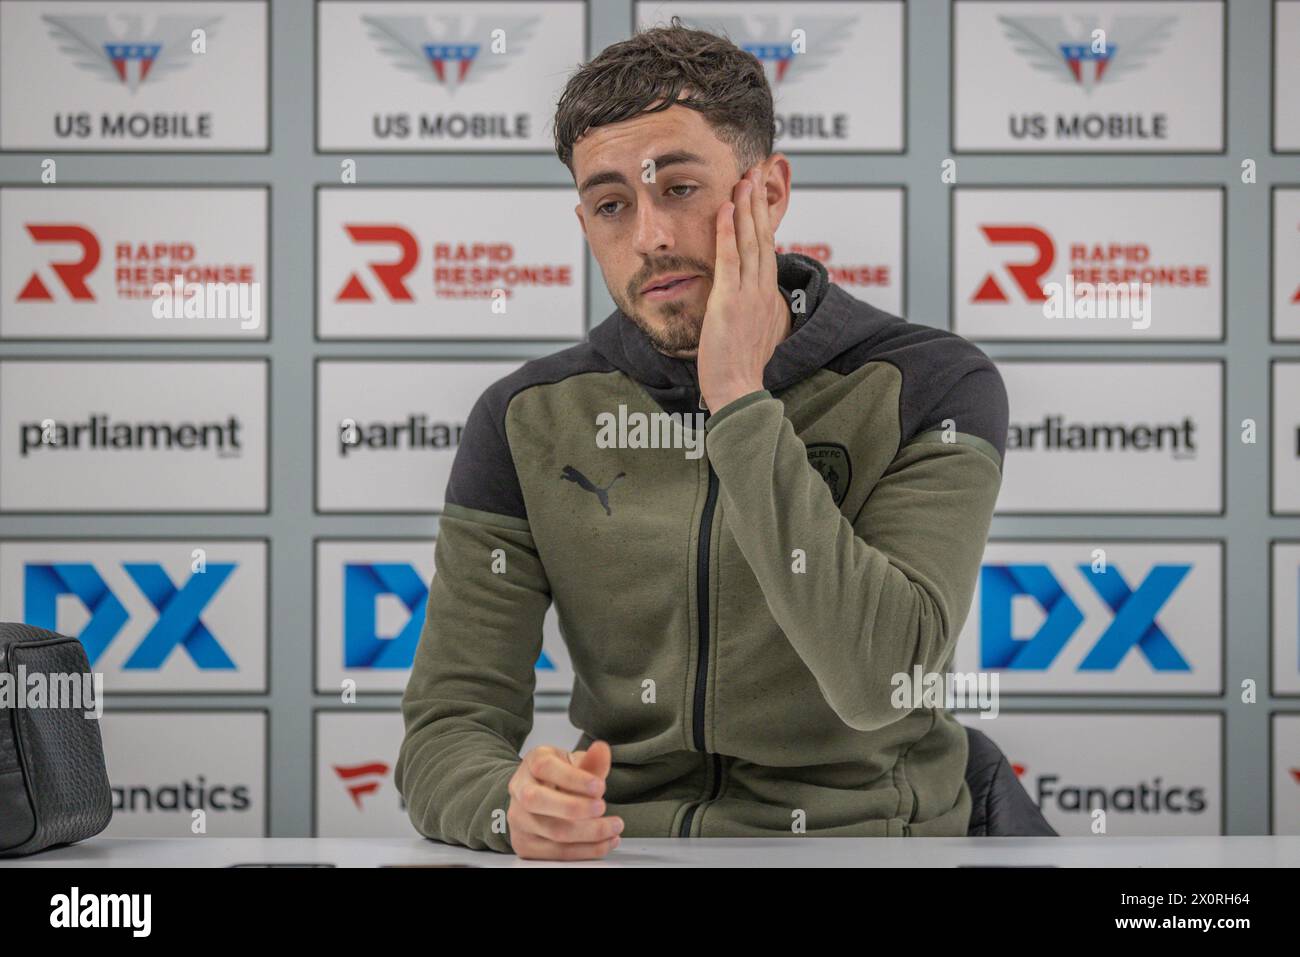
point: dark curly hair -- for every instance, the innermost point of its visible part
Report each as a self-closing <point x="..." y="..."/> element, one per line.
<point x="727" y="86"/>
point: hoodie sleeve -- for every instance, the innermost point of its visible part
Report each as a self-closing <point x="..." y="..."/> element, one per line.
<point x="468" y="706"/>
<point x="891" y="589"/>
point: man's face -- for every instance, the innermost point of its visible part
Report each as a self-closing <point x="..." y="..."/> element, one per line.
<point x="641" y="233"/>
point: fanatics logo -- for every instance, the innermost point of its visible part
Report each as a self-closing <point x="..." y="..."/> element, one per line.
<point x="361" y="779"/>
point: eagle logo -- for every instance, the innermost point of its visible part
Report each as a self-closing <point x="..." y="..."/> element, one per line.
<point x="132" y="56"/>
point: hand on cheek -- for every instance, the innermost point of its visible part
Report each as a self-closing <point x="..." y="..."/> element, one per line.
<point x="741" y="330"/>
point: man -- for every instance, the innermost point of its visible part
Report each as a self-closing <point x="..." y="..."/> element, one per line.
<point x="736" y="619"/>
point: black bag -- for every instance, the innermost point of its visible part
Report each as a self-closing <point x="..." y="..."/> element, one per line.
<point x="1000" y="806"/>
<point x="53" y="783"/>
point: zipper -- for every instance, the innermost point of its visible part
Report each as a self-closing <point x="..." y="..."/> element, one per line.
<point x="685" y="830"/>
<point x="702" y="607"/>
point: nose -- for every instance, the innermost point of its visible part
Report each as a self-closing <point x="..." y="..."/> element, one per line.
<point x="653" y="232"/>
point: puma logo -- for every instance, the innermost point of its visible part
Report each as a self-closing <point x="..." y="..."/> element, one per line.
<point x="571" y="474"/>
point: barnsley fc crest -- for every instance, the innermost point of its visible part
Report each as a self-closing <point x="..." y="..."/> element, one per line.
<point x="831" y="461"/>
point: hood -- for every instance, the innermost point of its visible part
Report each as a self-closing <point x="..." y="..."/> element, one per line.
<point x="835" y="321"/>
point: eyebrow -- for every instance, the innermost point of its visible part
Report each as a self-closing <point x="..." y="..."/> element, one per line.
<point x="614" y="176"/>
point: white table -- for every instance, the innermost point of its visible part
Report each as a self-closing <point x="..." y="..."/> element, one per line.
<point x="674" y="852"/>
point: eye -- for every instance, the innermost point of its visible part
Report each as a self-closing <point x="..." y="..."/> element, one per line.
<point x="600" y="210"/>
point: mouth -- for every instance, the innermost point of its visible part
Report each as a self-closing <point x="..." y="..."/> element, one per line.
<point x="665" y="287"/>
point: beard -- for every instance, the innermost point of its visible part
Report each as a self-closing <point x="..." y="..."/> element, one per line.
<point x="675" y="328"/>
<point x="672" y="326"/>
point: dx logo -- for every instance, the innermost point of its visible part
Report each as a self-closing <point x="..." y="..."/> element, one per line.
<point x="178" y="625"/>
<point x="1133" y="625"/>
<point x="365" y="585"/>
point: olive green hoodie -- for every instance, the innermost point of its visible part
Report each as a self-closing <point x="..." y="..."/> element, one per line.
<point x="735" y="618"/>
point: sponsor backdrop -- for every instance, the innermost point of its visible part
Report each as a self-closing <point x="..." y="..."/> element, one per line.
<point x="233" y="502"/>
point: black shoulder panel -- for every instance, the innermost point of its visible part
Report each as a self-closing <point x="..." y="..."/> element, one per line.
<point x="944" y="377"/>
<point x="483" y="473"/>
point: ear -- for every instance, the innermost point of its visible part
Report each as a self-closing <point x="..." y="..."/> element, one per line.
<point x="582" y="220"/>
<point x="778" y="189"/>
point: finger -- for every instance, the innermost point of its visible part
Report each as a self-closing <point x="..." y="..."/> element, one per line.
<point x="746" y="238"/>
<point x="564" y="831"/>
<point x="726" y="259"/>
<point x="539" y="752"/>
<point x="596" y="760"/>
<point x="541" y="798"/>
<point x="539" y="848"/>
<point x="559" y="772"/>
<point x="763" y="232"/>
<point x="536" y="759"/>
